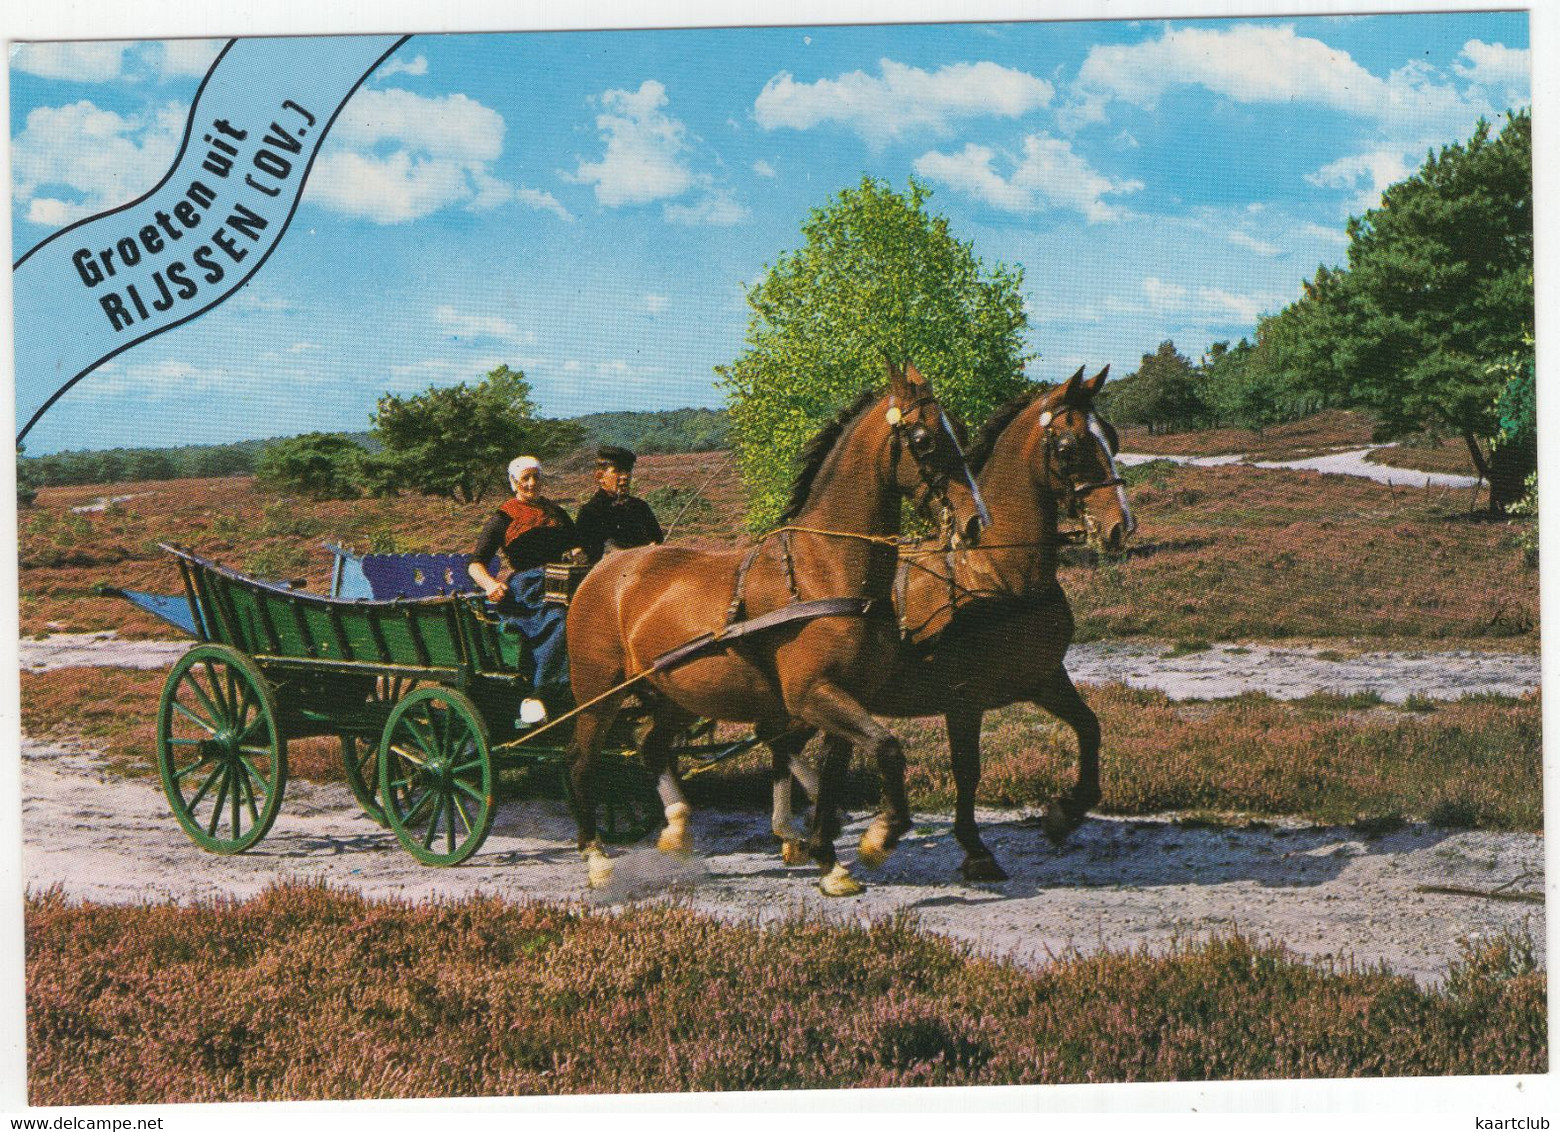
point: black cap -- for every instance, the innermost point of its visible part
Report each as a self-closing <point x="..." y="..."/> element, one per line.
<point x="620" y="458"/>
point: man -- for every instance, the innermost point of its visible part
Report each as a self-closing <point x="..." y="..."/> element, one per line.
<point x="614" y="519"/>
<point x="532" y="531"/>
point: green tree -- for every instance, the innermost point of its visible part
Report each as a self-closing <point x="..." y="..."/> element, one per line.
<point x="27" y="480"/>
<point x="877" y="275"/>
<point x="1439" y="286"/>
<point x="457" y="441"/>
<point x="1163" y="393"/>
<point x="319" y="465"/>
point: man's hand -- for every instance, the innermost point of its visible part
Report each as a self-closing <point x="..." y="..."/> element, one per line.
<point x="497" y="592"/>
<point x="577" y="556"/>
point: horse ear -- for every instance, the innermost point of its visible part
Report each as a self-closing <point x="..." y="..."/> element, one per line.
<point x="1092" y="386"/>
<point x="897" y="385"/>
<point x="913" y="375"/>
<point x="1074" y="386"/>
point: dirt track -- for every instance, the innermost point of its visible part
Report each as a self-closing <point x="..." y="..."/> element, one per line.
<point x="1325" y="892"/>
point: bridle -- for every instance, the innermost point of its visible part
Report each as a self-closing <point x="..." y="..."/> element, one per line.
<point x="912" y="433"/>
<point x="1071" y="491"/>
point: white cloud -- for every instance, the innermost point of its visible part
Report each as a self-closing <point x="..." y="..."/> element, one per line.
<point x="1414" y="108"/>
<point x="96" y="158"/>
<point x="398" y="66"/>
<point x="901" y="99"/>
<point x="1246" y="62"/>
<point x="764" y="169"/>
<point x="716" y="208"/>
<point x="1251" y="243"/>
<point x="395" y="156"/>
<point x="1366" y="174"/>
<point x="187" y="58"/>
<point x="461" y="325"/>
<point x="1211" y="304"/>
<point x="1494" y="64"/>
<point x="1049" y="175"/>
<point x="642" y="162"/>
<point x="78" y="62"/>
<point x="165" y="380"/>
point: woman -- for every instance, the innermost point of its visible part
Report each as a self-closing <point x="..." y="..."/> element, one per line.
<point x="532" y="531"/>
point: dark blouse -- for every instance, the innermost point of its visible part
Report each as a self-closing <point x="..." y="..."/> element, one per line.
<point x="535" y="547"/>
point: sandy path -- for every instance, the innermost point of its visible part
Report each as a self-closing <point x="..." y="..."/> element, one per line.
<point x="1220" y="671"/>
<point x="1324" y="891"/>
<point x="1351" y="462"/>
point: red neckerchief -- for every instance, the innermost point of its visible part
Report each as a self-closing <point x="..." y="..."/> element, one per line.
<point x="524" y="517"/>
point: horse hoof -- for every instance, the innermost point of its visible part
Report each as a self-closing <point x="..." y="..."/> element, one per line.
<point x="1058" y="824"/>
<point x="875" y="848"/>
<point x="838" y="882"/>
<point x="675" y="841"/>
<point x="794" y="853"/>
<point x="983" y="870"/>
<point x="599" y="867"/>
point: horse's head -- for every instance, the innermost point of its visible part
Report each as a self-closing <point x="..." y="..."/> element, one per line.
<point x="936" y="470"/>
<point x="1076" y="450"/>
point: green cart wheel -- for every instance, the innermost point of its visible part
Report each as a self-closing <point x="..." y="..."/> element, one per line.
<point x="627" y="804"/>
<point x="436" y="776"/>
<point x="361" y="760"/>
<point x="220" y="753"/>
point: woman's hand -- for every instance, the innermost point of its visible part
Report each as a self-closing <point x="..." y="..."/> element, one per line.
<point x="496" y="592"/>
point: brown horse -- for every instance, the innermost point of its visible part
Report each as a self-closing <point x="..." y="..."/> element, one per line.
<point x="839" y="540"/>
<point x="988" y="625"/>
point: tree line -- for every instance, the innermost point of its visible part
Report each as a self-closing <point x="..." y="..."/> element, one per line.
<point x="344" y="464"/>
<point x="1428" y="328"/>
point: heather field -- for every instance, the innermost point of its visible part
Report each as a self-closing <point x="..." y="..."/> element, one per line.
<point x="306" y="992"/>
<point x="1225" y="553"/>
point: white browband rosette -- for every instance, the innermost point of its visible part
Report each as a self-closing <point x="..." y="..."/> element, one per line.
<point x="894" y="416"/>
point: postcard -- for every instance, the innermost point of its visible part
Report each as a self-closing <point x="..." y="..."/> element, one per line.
<point x="729" y="557"/>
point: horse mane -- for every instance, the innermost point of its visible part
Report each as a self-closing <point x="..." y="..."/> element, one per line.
<point x="986" y="439"/>
<point x="817" y="449"/>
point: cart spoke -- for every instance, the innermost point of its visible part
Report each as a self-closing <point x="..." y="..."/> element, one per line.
<point x="465" y="818"/>
<point x="175" y="741"/>
<point x="469" y="789"/>
<point x="194" y="766"/>
<point x="192" y="717"/>
<point x="415" y="726"/>
<point x="238" y="783"/>
<point x="413" y="814"/>
<point x="205" y="786"/>
<point x="253" y="775"/>
<point x="249" y="796"/>
<point x="474" y="764"/>
<point x="449" y="823"/>
<point x="408" y="755"/>
<point x="216" y="810"/>
<point x="226" y="712"/>
<point x="433" y="825"/>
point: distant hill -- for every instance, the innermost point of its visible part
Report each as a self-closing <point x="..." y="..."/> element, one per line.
<point x="663" y="431"/>
<point x="671" y="430"/>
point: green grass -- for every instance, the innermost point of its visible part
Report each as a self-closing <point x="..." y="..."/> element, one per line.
<point x="308" y="993"/>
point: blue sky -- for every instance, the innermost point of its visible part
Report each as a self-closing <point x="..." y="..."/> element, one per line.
<point x="586" y="206"/>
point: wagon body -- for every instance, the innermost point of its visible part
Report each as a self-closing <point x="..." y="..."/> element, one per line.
<point x="424" y="693"/>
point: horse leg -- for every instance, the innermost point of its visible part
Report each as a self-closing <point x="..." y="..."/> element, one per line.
<point x="590" y="729"/>
<point x="964" y="749"/>
<point x="829" y="707"/>
<point x="1066" y="813"/>
<point x="784" y="748"/>
<point x="656" y="753"/>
